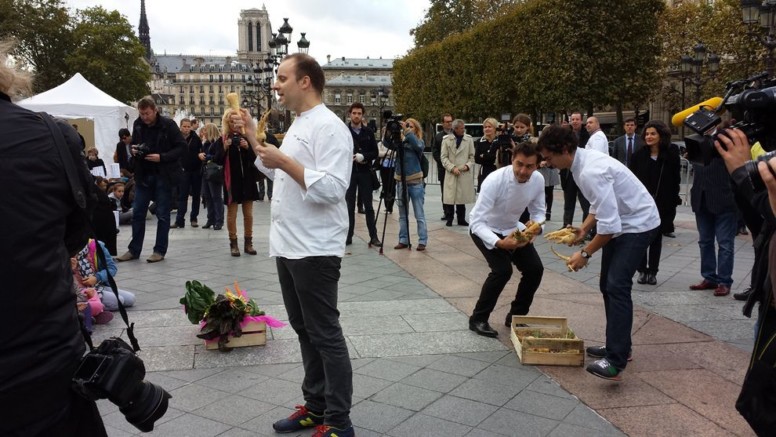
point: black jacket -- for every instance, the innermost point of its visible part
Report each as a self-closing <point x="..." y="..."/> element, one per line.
<point x="190" y="159"/>
<point x="40" y="341"/>
<point x="364" y="143"/>
<point x="662" y="179"/>
<point x="711" y="187"/>
<point x="164" y="138"/>
<point x="240" y="183"/>
<point x="436" y="146"/>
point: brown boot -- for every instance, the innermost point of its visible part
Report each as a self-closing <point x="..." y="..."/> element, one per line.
<point x="235" y="249"/>
<point x="249" y="246"/>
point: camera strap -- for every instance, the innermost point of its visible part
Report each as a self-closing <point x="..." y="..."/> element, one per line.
<point x="70" y="171"/>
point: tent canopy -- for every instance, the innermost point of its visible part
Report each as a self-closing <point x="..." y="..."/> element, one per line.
<point x="78" y="98"/>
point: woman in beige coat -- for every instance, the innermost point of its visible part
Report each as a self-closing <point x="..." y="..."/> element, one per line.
<point x="457" y="156"/>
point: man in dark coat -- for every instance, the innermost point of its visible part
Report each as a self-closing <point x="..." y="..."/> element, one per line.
<point x="570" y="190"/>
<point x="626" y="145"/>
<point x="436" y="150"/>
<point x="124" y="152"/>
<point x="157" y="147"/>
<point x="44" y="225"/>
<point x="364" y="152"/>
<point x="191" y="182"/>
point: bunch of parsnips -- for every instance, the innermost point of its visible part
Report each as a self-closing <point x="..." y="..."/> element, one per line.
<point x="533" y="229"/>
<point x="567" y="236"/>
<point x="234" y="105"/>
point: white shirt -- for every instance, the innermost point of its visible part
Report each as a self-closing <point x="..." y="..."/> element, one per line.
<point x="620" y="202"/>
<point x="312" y="222"/>
<point x="598" y="142"/>
<point x="501" y="201"/>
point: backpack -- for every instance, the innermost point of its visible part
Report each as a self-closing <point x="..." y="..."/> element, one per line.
<point x="423" y="164"/>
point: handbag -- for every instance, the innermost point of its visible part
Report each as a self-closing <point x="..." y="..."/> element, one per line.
<point x="375" y="180"/>
<point x="214" y="172"/>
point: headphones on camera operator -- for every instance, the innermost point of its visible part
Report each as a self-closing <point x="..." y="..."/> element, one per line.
<point x="112" y="370"/>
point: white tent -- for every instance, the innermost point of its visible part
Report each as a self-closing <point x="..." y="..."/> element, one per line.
<point x="78" y="98"/>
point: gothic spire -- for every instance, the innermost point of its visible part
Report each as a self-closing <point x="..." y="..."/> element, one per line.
<point x="145" y="35"/>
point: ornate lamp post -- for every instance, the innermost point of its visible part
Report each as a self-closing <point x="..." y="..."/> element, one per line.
<point x="278" y="50"/>
<point x="691" y="68"/>
<point x="380" y="97"/>
<point x="763" y="13"/>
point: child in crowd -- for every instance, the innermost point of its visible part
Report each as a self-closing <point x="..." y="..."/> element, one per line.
<point x="115" y="196"/>
<point x="87" y="300"/>
<point x="96" y="275"/>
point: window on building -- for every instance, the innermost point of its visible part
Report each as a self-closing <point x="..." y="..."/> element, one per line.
<point x="210" y="88"/>
<point x="220" y="89"/>
<point x="191" y="88"/>
<point x="362" y="98"/>
<point x="250" y="37"/>
<point x="202" y="88"/>
<point x="211" y="77"/>
<point x="220" y="77"/>
<point x="337" y="99"/>
<point x="350" y="98"/>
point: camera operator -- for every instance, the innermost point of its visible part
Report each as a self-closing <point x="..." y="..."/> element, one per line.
<point x="44" y="225"/>
<point x="733" y="146"/>
<point x="156" y="152"/>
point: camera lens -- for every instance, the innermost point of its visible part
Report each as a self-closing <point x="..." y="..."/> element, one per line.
<point x="148" y="405"/>
<point x="754" y="172"/>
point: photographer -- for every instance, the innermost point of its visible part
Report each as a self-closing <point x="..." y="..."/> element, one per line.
<point x="755" y="402"/>
<point x="157" y="147"/>
<point x="40" y="341"/>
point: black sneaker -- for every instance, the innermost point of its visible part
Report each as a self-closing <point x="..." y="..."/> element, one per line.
<point x="603" y="369"/>
<point x="600" y="352"/>
<point x="301" y="419"/>
<point x="330" y="431"/>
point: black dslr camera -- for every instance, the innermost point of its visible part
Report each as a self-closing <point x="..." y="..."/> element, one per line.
<point x="506" y="136"/>
<point x="113" y="371"/>
<point x="392" y="129"/>
<point x="141" y="150"/>
<point x="236" y="139"/>
<point x="753" y="108"/>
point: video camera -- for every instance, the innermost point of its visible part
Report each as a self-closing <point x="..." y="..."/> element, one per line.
<point x="504" y="139"/>
<point x="753" y="108"/>
<point x="392" y="129"/>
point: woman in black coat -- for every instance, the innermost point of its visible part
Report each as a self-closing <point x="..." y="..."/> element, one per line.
<point x="657" y="166"/>
<point x="240" y="175"/>
<point x="485" y="150"/>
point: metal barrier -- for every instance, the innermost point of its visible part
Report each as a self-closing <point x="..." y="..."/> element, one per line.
<point x="686" y="176"/>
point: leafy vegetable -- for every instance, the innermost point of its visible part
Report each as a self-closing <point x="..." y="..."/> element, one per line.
<point x="197" y="300"/>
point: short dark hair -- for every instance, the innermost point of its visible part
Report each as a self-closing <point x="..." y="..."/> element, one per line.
<point x="184" y="120"/>
<point x="629" y="120"/>
<point x="306" y="65"/>
<point x="356" y="105"/>
<point x="525" y="148"/>
<point x="124" y="132"/>
<point x="146" y="102"/>
<point x="556" y="139"/>
<point x="447" y="115"/>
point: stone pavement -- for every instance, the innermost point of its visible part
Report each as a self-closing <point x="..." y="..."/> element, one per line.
<point x="418" y="370"/>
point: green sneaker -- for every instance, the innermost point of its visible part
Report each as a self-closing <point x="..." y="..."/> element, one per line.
<point x="301" y="419"/>
<point x="603" y="369"/>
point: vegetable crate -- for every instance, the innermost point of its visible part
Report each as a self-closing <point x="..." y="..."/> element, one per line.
<point x="253" y="334"/>
<point x="547" y="341"/>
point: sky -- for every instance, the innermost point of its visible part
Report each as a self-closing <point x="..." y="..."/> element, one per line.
<point x="349" y="28"/>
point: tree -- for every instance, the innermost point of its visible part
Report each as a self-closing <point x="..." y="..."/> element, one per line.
<point x="109" y="54"/>
<point x="447" y="17"/>
<point x="42" y="29"/>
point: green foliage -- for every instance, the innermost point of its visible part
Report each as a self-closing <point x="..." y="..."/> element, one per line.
<point x="447" y="17"/>
<point x="537" y="56"/>
<point x="123" y="74"/>
<point x="197" y="300"/>
<point x="55" y="45"/>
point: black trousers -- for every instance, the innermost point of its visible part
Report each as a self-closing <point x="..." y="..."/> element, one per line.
<point x="309" y="288"/>
<point x="441" y="176"/>
<point x="389" y="187"/>
<point x="650" y="262"/>
<point x="460" y="211"/>
<point x="548" y="198"/>
<point x="500" y="261"/>
<point x="361" y="181"/>
<point x="570" y="195"/>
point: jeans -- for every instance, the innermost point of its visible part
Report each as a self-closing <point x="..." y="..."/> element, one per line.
<point x="159" y="189"/>
<point x="500" y="261"/>
<point x="213" y="193"/>
<point x="361" y="180"/>
<point x="309" y="288"/>
<point x="191" y="184"/>
<point x="716" y="268"/>
<point x="619" y="260"/>
<point x="416" y="194"/>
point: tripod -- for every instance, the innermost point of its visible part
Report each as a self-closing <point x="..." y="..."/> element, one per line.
<point x="393" y="141"/>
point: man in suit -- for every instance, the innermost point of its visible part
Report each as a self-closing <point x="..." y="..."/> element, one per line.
<point x="436" y="149"/>
<point x="626" y="145"/>
<point x="570" y="190"/>
<point x="716" y="217"/>
<point x="124" y="152"/>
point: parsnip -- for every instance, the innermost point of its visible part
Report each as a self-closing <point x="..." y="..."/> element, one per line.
<point x="234" y="104"/>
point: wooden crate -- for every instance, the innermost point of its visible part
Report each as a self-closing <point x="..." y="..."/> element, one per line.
<point x="557" y="351"/>
<point x="253" y="334"/>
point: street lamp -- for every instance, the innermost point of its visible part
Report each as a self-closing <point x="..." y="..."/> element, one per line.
<point x="754" y="12"/>
<point x="278" y="50"/>
<point x="690" y="68"/>
<point x="380" y="97"/>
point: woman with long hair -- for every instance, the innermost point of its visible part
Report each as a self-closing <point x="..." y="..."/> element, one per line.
<point x="485" y="150"/>
<point x="240" y="175"/>
<point x="211" y="189"/>
<point x="413" y="147"/>
<point x="657" y="166"/>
